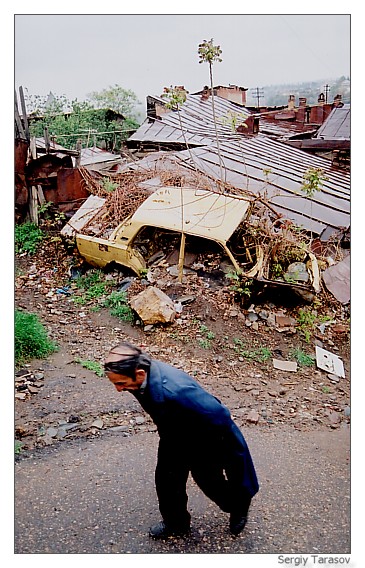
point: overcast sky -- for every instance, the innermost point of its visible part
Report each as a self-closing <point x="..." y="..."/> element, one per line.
<point x="74" y="55"/>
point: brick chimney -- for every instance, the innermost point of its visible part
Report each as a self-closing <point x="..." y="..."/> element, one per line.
<point x="302" y="110"/>
<point x="205" y="93"/>
<point x="291" y="102"/>
<point x="250" y="126"/>
<point x="337" y="101"/>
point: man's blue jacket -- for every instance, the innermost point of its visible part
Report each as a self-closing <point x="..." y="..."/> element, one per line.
<point x="187" y="416"/>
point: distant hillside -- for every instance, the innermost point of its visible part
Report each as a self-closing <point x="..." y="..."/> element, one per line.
<point x="278" y="95"/>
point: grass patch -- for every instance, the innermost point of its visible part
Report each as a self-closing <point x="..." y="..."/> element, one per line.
<point x="207" y="336"/>
<point x="117" y="302"/>
<point x="302" y="358"/>
<point x="31" y="338"/>
<point x="92" y="286"/>
<point x="93" y="366"/>
<point x="27" y="238"/>
<point x="259" y="354"/>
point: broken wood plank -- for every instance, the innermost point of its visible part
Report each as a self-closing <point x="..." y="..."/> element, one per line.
<point x="41" y="198"/>
<point x="24" y="111"/>
<point x="18" y="121"/>
<point x="33" y="205"/>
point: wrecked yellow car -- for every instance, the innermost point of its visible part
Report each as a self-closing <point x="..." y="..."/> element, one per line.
<point x="177" y="223"/>
<point x="169" y="216"/>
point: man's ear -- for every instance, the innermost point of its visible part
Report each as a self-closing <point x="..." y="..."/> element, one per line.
<point x="140" y="375"/>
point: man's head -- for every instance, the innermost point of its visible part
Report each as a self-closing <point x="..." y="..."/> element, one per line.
<point x="126" y="366"/>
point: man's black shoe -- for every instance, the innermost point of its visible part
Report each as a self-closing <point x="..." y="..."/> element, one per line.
<point x="161" y="530"/>
<point x="237" y="523"/>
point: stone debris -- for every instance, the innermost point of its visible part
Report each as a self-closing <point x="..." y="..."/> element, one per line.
<point x="153" y="306"/>
<point x="285" y="365"/>
<point x="253" y="416"/>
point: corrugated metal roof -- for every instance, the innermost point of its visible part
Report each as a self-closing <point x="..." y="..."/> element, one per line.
<point x="41" y="144"/>
<point x="284" y="129"/>
<point x="96" y="156"/>
<point x="195" y="118"/>
<point x="337" y="125"/>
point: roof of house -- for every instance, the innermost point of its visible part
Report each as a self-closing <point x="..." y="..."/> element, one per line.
<point x="193" y="123"/>
<point x="260" y="164"/>
<point x="94" y="155"/>
<point x="337" y="125"/>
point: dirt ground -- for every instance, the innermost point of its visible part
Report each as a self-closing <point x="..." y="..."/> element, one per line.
<point x="217" y="340"/>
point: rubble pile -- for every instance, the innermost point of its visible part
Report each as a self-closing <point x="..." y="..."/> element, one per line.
<point x="244" y="355"/>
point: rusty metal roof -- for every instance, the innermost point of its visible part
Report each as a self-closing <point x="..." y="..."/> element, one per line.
<point x="337" y="125"/>
<point x="41" y="145"/>
<point x="194" y="119"/>
<point x="284" y="129"/>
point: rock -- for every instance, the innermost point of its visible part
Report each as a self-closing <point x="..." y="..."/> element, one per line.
<point x="38" y="376"/>
<point x="253" y="416"/>
<point x="20" y="395"/>
<point x="153" y="306"/>
<point x="232" y="313"/>
<point x="252" y="316"/>
<point x="333" y="378"/>
<point x="51" y="432"/>
<point x="97" y="424"/>
<point x="119" y="429"/>
<point x="334" y="417"/>
<point x="140" y="420"/>
<point x="297" y="271"/>
<point x="285" y="365"/>
<point x="186" y="299"/>
<point x="285" y="321"/>
<point x="62" y="433"/>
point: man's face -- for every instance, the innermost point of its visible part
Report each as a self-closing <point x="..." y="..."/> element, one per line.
<point x="122" y="382"/>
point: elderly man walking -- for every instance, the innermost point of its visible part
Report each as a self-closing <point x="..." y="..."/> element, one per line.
<point x="197" y="436"/>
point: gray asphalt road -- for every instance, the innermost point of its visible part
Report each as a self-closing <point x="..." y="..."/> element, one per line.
<point x="97" y="496"/>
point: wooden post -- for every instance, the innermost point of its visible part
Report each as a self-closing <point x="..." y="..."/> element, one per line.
<point x="18" y="119"/>
<point x="24" y="111"/>
<point x="41" y="198"/>
<point x="78" y="148"/>
<point x="33" y="205"/>
<point x="181" y="257"/>
<point x="33" y="148"/>
<point x="46" y="139"/>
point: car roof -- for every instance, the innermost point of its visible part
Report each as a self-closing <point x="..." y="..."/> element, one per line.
<point x="205" y="213"/>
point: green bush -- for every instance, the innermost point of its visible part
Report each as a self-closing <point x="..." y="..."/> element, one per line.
<point x="31" y="338"/>
<point x="27" y="238"/>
